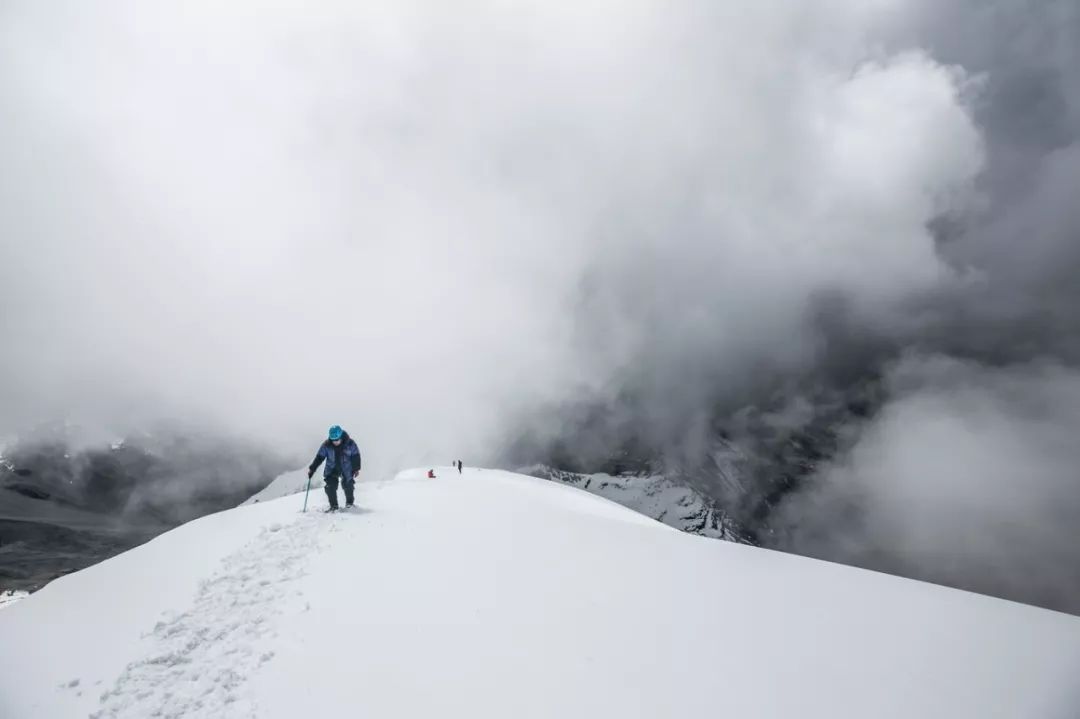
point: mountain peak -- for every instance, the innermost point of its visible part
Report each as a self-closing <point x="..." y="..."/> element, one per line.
<point x="491" y="594"/>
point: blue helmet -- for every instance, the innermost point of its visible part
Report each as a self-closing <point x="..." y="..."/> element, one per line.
<point x="335" y="432"/>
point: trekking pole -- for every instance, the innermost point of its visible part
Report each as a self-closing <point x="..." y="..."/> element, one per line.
<point x="306" y="492"/>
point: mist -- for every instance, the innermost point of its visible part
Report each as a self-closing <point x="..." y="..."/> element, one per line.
<point x="967" y="477"/>
<point x="966" y="474"/>
<point x="447" y="230"/>
<point x="385" y="218"/>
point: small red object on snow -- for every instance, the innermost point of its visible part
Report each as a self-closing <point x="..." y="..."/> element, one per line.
<point x="431" y="474"/>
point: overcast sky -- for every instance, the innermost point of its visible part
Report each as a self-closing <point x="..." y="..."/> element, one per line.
<point x="389" y="216"/>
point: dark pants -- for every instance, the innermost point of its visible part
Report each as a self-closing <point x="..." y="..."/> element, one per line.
<point x="331" y="489"/>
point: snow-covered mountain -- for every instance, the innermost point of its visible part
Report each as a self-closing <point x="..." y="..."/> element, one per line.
<point x="653" y="495"/>
<point x="66" y="504"/>
<point x="492" y="594"/>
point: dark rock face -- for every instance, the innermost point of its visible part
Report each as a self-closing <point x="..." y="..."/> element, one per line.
<point x="62" y="509"/>
<point x="33" y="553"/>
<point x="28" y="490"/>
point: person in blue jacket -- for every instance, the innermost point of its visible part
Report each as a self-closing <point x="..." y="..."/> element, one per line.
<point x="342" y="458"/>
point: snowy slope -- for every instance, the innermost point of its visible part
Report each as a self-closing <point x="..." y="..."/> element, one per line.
<point x="654" y="496"/>
<point x="286" y="484"/>
<point x="9" y="597"/>
<point x="498" y="595"/>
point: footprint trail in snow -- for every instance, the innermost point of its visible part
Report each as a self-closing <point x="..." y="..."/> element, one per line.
<point x="202" y="658"/>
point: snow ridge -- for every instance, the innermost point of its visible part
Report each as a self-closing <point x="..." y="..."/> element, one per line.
<point x="11" y="596"/>
<point x="205" y="654"/>
<point x="655" y="496"/>
<point x="491" y="595"/>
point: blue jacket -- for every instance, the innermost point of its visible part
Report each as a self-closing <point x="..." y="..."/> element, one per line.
<point x="341" y="460"/>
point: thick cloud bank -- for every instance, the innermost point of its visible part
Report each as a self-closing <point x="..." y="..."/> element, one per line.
<point x="390" y="215"/>
<point x="967" y="477"/>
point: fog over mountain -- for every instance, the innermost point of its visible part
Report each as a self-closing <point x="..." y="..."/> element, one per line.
<point x="816" y="259"/>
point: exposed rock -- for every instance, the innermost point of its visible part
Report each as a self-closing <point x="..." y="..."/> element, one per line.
<point x="653" y="495"/>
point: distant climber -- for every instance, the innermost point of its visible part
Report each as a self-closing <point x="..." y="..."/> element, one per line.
<point x="431" y="474"/>
<point x="342" y="458"/>
<point x="459" y="466"/>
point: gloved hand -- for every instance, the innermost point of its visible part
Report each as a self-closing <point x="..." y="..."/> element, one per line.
<point x="356" y="473"/>
<point x="310" y="473"/>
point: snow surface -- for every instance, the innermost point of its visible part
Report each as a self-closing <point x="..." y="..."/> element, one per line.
<point x="499" y="595"/>
<point x="11" y="596"/>
<point x="653" y="495"/>
<point x="286" y="484"/>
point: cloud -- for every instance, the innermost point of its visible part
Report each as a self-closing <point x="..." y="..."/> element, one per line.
<point x="418" y="222"/>
<point x="966" y="477"/>
<point x="1022" y="241"/>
